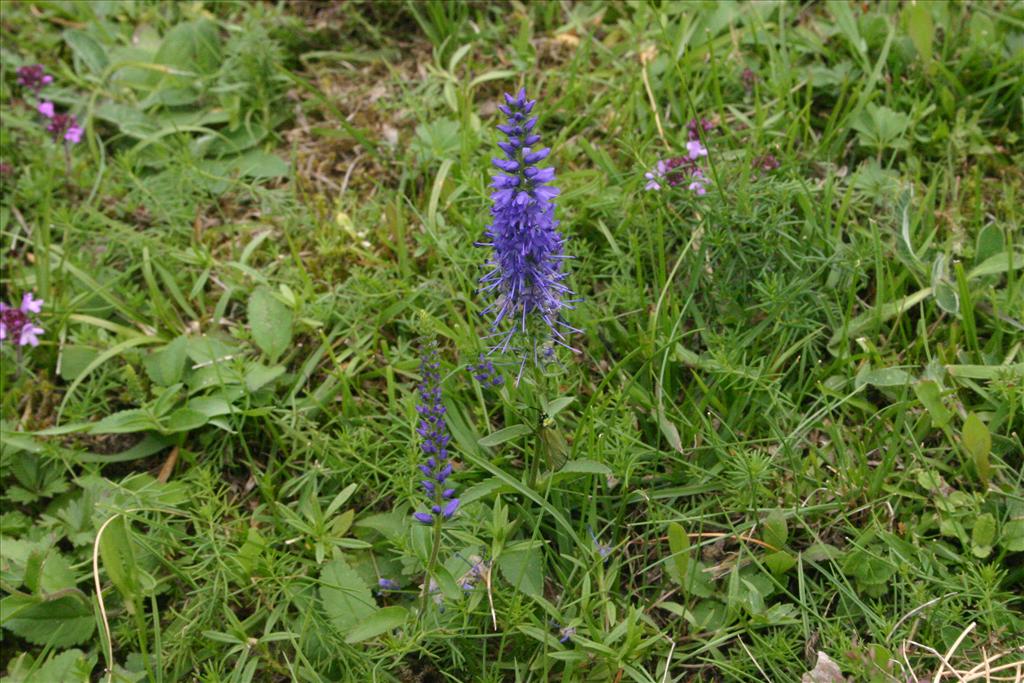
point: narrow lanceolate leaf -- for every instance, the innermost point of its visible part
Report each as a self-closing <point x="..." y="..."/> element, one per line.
<point x="381" y="622"/>
<point x="118" y="560"/>
<point x="503" y="435"/>
<point x="679" y="544"/>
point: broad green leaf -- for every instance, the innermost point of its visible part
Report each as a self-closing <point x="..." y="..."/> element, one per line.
<point x="118" y="560"/>
<point x="1000" y="263"/>
<point x="883" y="377"/>
<point x="920" y="27"/>
<point x="87" y="50"/>
<point x="776" y="531"/>
<point x="1012" y="537"/>
<point x="989" y="243"/>
<point x="192" y="47"/>
<point x="978" y="443"/>
<point x="271" y="323"/>
<point x="382" y="621"/>
<point x="63" y="622"/>
<point x="556" y="406"/>
<point x="930" y="396"/>
<point x="74" y="360"/>
<point x="165" y="366"/>
<point x="56" y="574"/>
<point x="946" y="297"/>
<point x="983" y="535"/>
<point x="679" y="545"/>
<point x="184" y="420"/>
<point x="503" y="435"/>
<point x="780" y="562"/>
<point x="125" y="422"/>
<point x="258" y="375"/>
<point x="70" y="666"/>
<point x="346" y="599"/>
<point x="521" y="566"/>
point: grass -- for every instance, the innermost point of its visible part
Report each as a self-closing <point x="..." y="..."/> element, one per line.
<point x="794" y="424"/>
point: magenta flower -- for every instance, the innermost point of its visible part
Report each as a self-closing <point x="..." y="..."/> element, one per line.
<point x="65" y="126"/>
<point x="18" y="325"/>
<point x="33" y="77"/>
<point x="46" y="109"/>
<point x="73" y="134"/>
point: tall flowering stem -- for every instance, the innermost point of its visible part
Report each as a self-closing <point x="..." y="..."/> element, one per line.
<point x="437" y="468"/>
<point x="524" y="273"/>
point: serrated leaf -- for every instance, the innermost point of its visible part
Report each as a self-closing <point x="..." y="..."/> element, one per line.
<point x="503" y="435"/>
<point x="382" y="621"/>
<point x="56" y="574"/>
<point x="521" y="567"/>
<point x="70" y="666"/>
<point x="63" y="622"/>
<point x="679" y="545"/>
<point x="271" y="323"/>
<point x="346" y="599"/>
<point x="977" y="442"/>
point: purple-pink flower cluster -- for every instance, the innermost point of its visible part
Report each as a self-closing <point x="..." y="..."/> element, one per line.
<point x="61" y="125"/>
<point x="684" y="170"/>
<point x="33" y="77"/>
<point x="20" y="323"/>
<point x="433" y="431"/>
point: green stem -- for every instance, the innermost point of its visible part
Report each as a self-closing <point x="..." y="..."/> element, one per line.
<point x="539" y="385"/>
<point x="431" y="563"/>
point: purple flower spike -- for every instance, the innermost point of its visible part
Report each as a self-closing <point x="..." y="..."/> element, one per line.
<point x="524" y="272"/>
<point x="484" y="372"/>
<point x="17" y="324"/>
<point x="434" y="433"/>
<point x="33" y="77"/>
